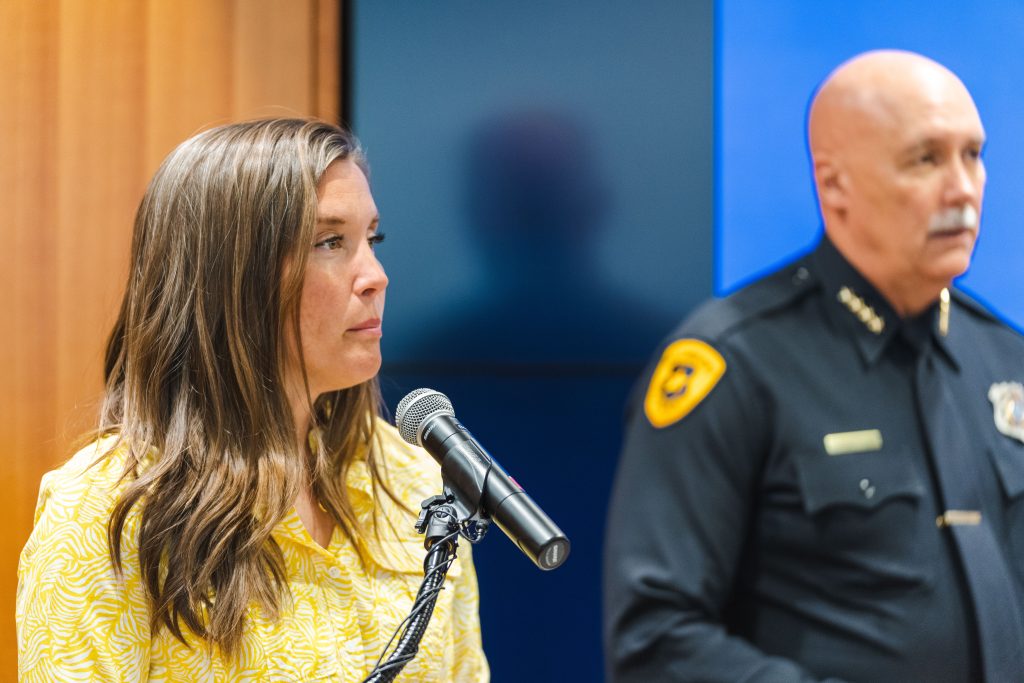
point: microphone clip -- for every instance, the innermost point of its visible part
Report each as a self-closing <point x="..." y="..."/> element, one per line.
<point x="440" y="517"/>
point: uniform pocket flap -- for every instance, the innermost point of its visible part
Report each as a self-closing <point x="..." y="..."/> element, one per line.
<point x="1009" y="461"/>
<point x="861" y="480"/>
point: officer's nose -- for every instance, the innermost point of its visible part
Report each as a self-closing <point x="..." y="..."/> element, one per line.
<point x="965" y="181"/>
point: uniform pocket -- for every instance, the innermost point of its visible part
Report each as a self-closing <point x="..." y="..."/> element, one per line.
<point x="1008" y="459"/>
<point x="864" y="481"/>
<point x="862" y="514"/>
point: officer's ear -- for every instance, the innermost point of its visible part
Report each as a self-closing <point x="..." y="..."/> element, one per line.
<point x="832" y="185"/>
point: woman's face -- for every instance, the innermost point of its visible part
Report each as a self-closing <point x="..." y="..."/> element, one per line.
<point x="342" y="300"/>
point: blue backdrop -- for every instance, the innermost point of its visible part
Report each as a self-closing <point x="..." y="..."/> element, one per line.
<point x="544" y="176"/>
<point x="561" y="182"/>
<point x="771" y="56"/>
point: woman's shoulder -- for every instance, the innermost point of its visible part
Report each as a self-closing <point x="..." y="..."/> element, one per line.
<point x="86" y="482"/>
<point x="410" y="469"/>
<point x="72" y="609"/>
<point x="74" y="505"/>
<point x="398" y="452"/>
<point x="394" y="445"/>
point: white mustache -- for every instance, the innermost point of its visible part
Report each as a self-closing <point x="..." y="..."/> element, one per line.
<point x="954" y="218"/>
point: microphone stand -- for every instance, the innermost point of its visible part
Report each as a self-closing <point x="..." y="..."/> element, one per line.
<point x="441" y="524"/>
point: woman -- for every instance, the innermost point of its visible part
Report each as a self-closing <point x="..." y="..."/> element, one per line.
<point x="244" y="514"/>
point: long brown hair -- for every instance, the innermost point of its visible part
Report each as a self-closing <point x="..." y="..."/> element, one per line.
<point x="195" y="375"/>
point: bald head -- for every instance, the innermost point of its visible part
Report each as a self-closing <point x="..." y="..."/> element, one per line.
<point x="895" y="139"/>
<point x="880" y="88"/>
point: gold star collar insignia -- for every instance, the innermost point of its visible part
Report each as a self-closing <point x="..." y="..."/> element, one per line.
<point x="861" y="310"/>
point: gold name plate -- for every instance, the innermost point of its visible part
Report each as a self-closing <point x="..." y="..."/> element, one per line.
<point x="958" y="518"/>
<point x="841" y="443"/>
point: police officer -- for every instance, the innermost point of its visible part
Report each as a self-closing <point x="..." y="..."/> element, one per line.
<point x="823" y="473"/>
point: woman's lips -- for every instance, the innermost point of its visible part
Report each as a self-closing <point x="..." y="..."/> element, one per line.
<point x="367" y="327"/>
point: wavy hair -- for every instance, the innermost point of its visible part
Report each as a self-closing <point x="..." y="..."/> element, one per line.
<point x="195" y="385"/>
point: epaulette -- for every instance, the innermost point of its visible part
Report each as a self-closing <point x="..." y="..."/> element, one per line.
<point x="974" y="306"/>
<point x="690" y="365"/>
<point x="773" y="292"/>
<point x="982" y="312"/>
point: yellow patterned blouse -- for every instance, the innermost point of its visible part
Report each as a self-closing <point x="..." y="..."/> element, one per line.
<point x="78" y="622"/>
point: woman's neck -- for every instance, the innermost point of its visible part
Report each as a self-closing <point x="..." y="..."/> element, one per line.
<point x="318" y="522"/>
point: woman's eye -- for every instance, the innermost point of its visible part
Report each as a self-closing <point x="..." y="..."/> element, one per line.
<point x="375" y="239"/>
<point x="330" y="243"/>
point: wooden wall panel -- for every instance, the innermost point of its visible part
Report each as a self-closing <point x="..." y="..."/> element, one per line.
<point x="326" y="18"/>
<point x="100" y="77"/>
<point x="270" y="25"/>
<point x="93" y="94"/>
<point x="28" y="149"/>
<point x="190" y="66"/>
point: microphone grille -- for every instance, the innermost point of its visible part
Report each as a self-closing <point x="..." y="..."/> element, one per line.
<point x="415" y="408"/>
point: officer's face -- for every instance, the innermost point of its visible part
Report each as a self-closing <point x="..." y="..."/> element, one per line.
<point x="916" y="183"/>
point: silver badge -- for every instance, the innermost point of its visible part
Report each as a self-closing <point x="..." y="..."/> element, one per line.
<point x="1008" y="408"/>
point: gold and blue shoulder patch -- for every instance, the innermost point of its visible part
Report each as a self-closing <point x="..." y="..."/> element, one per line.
<point x="687" y="372"/>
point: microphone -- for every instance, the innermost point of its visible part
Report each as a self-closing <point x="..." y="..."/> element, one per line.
<point x="479" y="485"/>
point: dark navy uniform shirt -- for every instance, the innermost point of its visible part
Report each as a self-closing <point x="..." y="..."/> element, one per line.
<point x="785" y="529"/>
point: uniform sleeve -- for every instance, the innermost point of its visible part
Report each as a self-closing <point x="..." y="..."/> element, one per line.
<point x="683" y="497"/>
<point x="470" y="663"/>
<point x="76" y="620"/>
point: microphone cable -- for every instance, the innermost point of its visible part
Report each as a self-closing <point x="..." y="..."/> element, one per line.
<point x="409" y="632"/>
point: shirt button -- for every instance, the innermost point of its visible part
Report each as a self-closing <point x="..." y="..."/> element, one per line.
<point x="800" y="275"/>
<point x="334" y="572"/>
<point x="867" y="488"/>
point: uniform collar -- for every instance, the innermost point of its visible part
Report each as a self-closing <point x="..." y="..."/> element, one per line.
<point x="856" y="307"/>
<point x="928" y="333"/>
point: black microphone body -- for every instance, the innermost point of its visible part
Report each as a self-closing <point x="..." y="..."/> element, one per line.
<point x="478" y="483"/>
